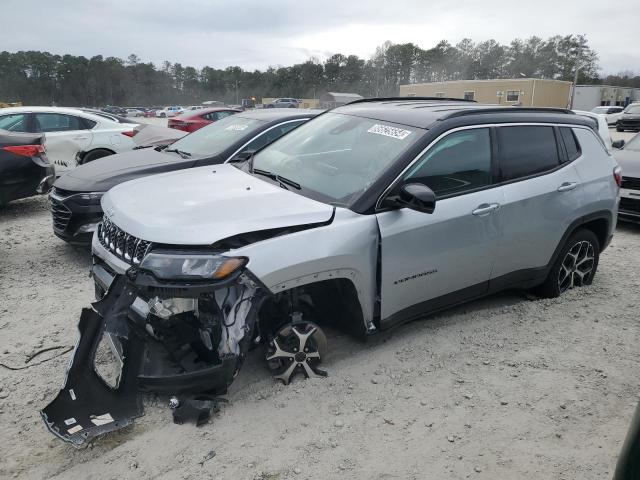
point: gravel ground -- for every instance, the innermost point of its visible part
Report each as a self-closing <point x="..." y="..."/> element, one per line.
<point x="506" y="387"/>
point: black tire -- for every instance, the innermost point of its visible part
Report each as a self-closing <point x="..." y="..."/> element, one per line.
<point x="163" y="115"/>
<point x="95" y="154"/>
<point x="581" y="244"/>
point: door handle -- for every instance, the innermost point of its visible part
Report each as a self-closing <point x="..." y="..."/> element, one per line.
<point x="485" y="209"/>
<point x="567" y="186"/>
<point x="80" y="138"/>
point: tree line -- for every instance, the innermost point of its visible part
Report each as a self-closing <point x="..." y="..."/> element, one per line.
<point x="41" y="78"/>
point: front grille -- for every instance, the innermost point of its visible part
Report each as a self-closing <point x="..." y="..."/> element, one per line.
<point x="631" y="183"/>
<point x="629" y="205"/>
<point x="60" y="214"/>
<point x="129" y="248"/>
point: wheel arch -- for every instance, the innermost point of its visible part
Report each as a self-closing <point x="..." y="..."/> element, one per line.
<point x="598" y="222"/>
<point x="83" y="154"/>
<point x="334" y="298"/>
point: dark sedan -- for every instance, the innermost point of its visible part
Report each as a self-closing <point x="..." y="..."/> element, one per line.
<point x="24" y="168"/>
<point x="628" y="157"/>
<point x="630" y="119"/>
<point x="75" y="198"/>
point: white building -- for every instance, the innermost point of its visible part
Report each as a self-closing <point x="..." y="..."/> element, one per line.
<point x="591" y="96"/>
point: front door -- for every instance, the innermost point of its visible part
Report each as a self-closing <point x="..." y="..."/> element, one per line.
<point x="431" y="260"/>
<point x="65" y="136"/>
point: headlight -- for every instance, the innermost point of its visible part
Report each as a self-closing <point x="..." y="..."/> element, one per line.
<point x="91" y="198"/>
<point x="169" y="266"/>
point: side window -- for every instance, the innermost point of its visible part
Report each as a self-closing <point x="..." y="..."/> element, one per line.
<point x="570" y="143"/>
<point x="88" y="124"/>
<point x="56" y="122"/>
<point x="526" y="150"/>
<point x="15" y="122"/>
<point x="271" y="136"/>
<point x="459" y="162"/>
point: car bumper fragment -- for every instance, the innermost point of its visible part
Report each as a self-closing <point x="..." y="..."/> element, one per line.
<point x="193" y="353"/>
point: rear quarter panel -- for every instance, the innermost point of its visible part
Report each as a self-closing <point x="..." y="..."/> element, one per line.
<point x="595" y="168"/>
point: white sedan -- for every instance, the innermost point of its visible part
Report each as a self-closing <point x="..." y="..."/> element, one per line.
<point x="72" y="137"/>
<point x="171" y="111"/>
<point x="612" y="113"/>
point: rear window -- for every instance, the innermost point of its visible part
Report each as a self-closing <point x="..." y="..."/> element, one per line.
<point x="217" y="137"/>
<point x="526" y="150"/>
<point x="15" y="122"/>
<point x="570" y="143"/>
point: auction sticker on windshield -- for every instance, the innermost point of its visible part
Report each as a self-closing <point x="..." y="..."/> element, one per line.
<point x="237" y="126"/>
<point x="387" y="131"/>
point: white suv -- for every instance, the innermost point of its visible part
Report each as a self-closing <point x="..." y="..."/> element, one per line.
<point x="72" y="136"/>
<point x="368" y="216"/>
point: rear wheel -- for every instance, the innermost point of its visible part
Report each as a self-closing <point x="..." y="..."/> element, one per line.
<point x="575" y="266"/>
<point x="95" y="154"/>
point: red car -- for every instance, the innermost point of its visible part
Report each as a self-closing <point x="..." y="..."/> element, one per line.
<point x="192" y="120"/>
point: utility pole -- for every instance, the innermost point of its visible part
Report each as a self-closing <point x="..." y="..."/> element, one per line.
<point x="573" y="87"/>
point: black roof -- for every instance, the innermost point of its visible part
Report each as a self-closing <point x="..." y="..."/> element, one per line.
<point x="274" y="114"/>
<point x="423" y="112"/>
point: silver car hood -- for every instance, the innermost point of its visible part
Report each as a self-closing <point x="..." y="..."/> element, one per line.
<point x="200" y="206"/>
<point x="629" y="161"/>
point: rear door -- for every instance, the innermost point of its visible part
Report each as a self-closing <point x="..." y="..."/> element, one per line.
<point x="65" y="136"/>
<point x="431" y="260"/>
<point x="542" y="193"/>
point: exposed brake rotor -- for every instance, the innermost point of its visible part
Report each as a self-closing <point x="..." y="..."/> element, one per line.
<point x="297" y="347"/>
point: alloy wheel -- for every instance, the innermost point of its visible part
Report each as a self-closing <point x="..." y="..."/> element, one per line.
<point x="297" y="347"/>
<point x="577" y="266"/>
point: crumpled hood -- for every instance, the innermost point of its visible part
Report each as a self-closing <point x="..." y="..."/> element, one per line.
<point x="629" y="161"/>
<point x="200" y="206"/>
<point x="104" y="173"/>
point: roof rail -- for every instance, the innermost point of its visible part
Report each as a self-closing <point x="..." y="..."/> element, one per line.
<point x="404" y="99"/>
<point x="476" y="111"/>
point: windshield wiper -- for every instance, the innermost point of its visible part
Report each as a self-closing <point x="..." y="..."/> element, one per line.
<point x="279" y="178"/>
<point x="179" y="152"/>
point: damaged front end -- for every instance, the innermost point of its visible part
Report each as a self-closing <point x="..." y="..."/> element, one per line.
<point x="181" y="337"/>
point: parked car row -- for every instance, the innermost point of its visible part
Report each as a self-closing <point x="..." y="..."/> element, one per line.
<point x="75" y="198"/>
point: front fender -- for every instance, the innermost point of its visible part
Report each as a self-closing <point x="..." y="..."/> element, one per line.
<point x="346" y="248"/>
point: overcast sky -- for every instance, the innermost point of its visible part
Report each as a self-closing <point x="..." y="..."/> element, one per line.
<point x="258" y="33"/>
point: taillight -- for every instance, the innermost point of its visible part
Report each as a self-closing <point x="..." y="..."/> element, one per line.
<point x="25" y="150"/>
<point x="617" y="176"/>
<point x="132" y="133"/>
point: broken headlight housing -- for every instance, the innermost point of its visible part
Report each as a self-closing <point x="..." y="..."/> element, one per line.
<point x="191" y="266"/>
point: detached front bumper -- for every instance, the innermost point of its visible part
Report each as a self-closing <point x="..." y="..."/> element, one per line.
<point x="180" y="340"/>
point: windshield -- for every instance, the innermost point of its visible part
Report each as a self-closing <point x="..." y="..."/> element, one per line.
<point x="336" y="157"/>
<point x="217" y="137"/>
<point x="633" y="144"/>
<point x="635" y="109"/>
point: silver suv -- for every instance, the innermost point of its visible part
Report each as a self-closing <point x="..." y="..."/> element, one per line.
<point x="368" y="216"/>
<point x="284" y="103"/>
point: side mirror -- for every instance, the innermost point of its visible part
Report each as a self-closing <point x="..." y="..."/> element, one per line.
<point x="618" y="144"/>
<point x="415" y="196"/>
